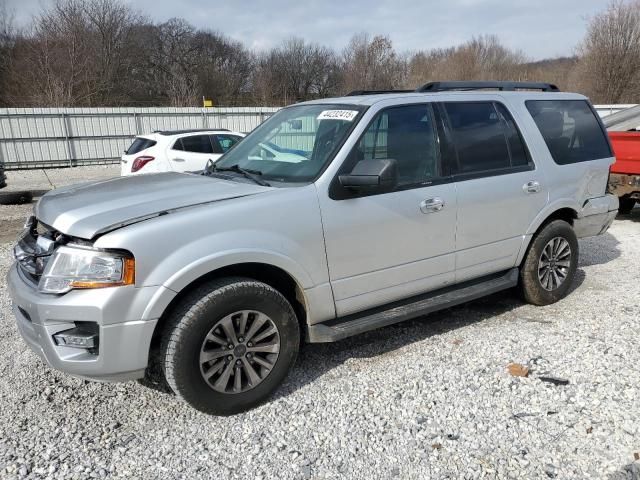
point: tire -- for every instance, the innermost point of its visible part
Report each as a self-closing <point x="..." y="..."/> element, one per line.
<point x="546" y="290"/>
<point x="15" y="198"/>
<point x="626" y="205"/>
<point x="190" y="337"/>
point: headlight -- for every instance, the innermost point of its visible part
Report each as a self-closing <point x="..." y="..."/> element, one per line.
<point x="71" y="267"/>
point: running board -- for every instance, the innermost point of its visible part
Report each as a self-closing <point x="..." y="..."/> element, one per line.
<point x="396" y="312"/>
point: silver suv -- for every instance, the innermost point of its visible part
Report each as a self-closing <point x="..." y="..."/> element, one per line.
<point x="395" y="204"/>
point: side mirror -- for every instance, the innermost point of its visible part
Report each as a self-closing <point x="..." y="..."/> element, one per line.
<point x="379" y="175"/>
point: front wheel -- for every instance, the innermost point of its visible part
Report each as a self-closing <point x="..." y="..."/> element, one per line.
<point x="229" y="344"/>
<point x="550" y="266"/>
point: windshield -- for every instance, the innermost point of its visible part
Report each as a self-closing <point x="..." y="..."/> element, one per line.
<point x="295" y="144"/>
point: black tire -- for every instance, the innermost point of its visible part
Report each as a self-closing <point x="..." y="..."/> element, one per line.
<point x="15" y="198"/>
<point x="626" y="205"/>
<point x="194" y="318"/>
<point x="531" y="286"/>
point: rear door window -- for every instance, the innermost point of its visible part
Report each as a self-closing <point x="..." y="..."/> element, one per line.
<point x="195" y="144"/>
<point x="139" y="144"/>
<point x="486" y="138"/>
<point x="570" y="129"/>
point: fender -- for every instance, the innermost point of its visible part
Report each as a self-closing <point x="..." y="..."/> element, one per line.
<point x="545" y="213"/>
<point x="204" y="265"/>
<point x="188" y="274"/>
<point x="549" y="209"/>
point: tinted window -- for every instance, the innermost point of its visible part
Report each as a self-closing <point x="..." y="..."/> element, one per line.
<point x="570" y="130"/>
<point x="517" y="150"/>
<point x="196" y="144"/>
<point x="407" y="135"/>
<point x="479" y="136"/>
<point x="225" y="141"/>
<point x="140" y="144"/>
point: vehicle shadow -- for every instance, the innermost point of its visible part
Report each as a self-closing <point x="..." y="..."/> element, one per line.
<point x="598" y="250"/>
<point x="315" y="360"/>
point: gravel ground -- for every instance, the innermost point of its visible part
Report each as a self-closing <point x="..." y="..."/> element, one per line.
<point x="430" y="398"/>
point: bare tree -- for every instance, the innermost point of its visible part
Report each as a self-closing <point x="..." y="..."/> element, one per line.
<point x="7" y="41"/>
<point x="113" y="26"/>
<point x="481" y="58"/>
<point x="610" y="54"/>
<point x="295" y="71"/>
<point x="371" y="64"/>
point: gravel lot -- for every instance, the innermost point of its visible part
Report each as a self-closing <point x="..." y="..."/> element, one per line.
<point x="430" y="398"/>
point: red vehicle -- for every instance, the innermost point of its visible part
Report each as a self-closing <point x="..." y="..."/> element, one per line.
<point x="624" y="180"/>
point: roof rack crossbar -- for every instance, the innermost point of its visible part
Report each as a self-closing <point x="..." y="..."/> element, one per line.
<point x="486" y="85"/>
<point x="356" y="93"/>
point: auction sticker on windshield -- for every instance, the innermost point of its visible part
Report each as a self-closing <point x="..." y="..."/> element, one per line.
<point x="347" y="115"/>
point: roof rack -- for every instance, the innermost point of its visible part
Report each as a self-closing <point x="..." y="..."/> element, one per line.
<point x="488" y="85"/>
<point x="375" y="92"/>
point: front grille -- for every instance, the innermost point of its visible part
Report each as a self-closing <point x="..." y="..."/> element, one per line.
<point x="34" y="249"/>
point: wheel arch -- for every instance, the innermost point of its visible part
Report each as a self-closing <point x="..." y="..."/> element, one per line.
<point x="272" y="275"/>
<point x="566" y="213"/>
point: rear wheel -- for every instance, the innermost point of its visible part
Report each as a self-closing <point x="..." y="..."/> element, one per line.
<point x="626" y="205"/>
<point x="549" y="268"/>
<point x="229" y="345"/>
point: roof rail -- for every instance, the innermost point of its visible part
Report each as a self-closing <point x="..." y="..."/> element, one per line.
<point x="375" y="92"/>
<point x="486" y="85"/>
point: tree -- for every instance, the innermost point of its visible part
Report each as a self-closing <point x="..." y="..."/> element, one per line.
<point x="7" y="42"/>
<point x="610" y="52"/>
<point x="481" y="58"/>
<point x="295" y="71"/>
<point x="371" y="64"/>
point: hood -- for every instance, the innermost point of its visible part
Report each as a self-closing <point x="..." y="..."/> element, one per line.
<point x="89" y="209"/>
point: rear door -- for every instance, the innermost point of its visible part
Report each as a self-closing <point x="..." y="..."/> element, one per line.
<point x="191" y="153"/>
<point x="500" y="191"/>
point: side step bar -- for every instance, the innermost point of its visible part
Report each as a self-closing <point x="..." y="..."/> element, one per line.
<point x="340" y="328"/>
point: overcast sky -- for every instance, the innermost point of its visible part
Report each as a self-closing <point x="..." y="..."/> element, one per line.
<point x="540" y="28"/>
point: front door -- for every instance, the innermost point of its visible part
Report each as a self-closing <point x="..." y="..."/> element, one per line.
<point x="390" y="246"/>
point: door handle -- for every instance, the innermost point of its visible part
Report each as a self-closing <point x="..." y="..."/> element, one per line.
<point x="178" y="159"/>
<point x="431" y="205"/>
<point x="531" y="187"/>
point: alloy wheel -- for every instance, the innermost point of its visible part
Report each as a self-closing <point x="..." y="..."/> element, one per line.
<point x="239" y="351"/>
<point x="554" y="263"/>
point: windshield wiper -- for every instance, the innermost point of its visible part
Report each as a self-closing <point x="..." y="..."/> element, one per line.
<point x="252" y="175"/>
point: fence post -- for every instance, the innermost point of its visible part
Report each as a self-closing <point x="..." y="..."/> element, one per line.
<point x="204" y="119"/>
<point x="136" y="122"/>
<point x="66" y="129"/>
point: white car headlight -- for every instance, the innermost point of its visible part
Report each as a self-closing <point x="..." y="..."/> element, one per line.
<point x="71" y="267"/>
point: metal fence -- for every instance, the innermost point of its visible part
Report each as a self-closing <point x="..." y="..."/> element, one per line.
<point x="53" y="137"/>
<point x="60" y="137"/>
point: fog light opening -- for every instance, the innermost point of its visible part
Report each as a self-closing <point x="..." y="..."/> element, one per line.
<point x="84" y="335"/>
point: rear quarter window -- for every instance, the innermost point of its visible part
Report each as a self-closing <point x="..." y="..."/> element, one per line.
<point x="140" y="144"/>
<point x="570" y="129"/>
